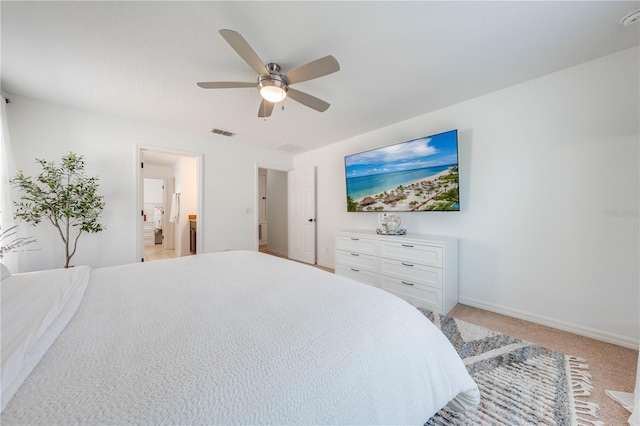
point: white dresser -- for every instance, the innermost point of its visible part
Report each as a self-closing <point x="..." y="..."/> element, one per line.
<point x="422" y="269"/>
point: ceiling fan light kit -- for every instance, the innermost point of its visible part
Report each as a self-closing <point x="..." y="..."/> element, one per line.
<point x="272" y="84"/>
<point x="273" y="87"/>
<point x="271" y="92"/>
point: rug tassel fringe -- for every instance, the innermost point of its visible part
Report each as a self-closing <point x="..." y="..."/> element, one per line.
<point x="589" y="408"/>
<point x="581" y="386"/>
<point x="579" y="363"/>
<point x="583" y="375"/>
<point x="580" y="378"/>
<point x="585" y="422"/>
<point x="581" y="389"/>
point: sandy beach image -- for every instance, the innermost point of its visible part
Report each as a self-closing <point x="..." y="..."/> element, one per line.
<point x="437" y="192"/>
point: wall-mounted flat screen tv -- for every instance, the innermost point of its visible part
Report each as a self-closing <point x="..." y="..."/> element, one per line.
<point x="412" y="176"/>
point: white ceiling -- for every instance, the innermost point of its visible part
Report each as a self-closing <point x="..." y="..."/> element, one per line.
<point x="141" y="60"/>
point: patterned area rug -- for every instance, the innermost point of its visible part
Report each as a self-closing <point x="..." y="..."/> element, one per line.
<point x="520" y="383"/>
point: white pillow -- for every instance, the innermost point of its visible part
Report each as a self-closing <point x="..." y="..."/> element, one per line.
<point x="36" y="307"/>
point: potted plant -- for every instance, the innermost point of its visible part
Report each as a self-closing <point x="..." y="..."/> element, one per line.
<point x="63" y="195"/>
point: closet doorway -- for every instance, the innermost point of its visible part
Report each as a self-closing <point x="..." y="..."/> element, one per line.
<point x="272" y="211"/>
<point x="170" y="203"/>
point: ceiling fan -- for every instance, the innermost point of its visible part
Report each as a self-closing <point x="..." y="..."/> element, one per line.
<point x="275" y="85"/>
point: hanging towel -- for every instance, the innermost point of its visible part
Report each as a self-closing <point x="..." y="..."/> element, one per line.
<point x="175" y="208"/>
<point x="157" y="217"/>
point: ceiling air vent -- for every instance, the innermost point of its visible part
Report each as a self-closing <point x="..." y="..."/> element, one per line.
<point x="222" y="132"/>
<point x="288" y="147"/>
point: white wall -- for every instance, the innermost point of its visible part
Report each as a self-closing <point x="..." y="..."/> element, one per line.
<point x="549" y="189"/>
<point x="278" y="239"/>
<point x="46" y="130"/>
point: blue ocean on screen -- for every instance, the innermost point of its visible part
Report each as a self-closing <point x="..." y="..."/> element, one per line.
<point x="360" y="187"/>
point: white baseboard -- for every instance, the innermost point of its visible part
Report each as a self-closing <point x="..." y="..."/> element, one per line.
<point x="616" y="339"/>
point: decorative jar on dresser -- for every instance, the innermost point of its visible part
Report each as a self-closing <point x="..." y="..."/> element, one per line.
<point x="422" y="269"/>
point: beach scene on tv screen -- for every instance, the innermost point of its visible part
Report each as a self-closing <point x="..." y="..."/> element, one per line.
<point x="418" y="175"/>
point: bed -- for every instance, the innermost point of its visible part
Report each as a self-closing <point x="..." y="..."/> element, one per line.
<point x="238" y="337"/>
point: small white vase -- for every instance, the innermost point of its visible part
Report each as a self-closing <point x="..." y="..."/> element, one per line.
<point x="393" y="223"/>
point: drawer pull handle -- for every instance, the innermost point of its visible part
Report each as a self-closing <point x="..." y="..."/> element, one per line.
<point x="355" y="270"/>
<point x="355" y="254"/>
<point x="355" y="239"/>
<point x="407" y="264"/>
<point x="407" y="245"/>
<point x="406" y="283"/>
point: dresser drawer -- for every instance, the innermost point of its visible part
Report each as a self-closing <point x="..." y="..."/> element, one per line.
<point x="361" y="275"/>
<point x="412" y="252"/>
<point x="357" y="260"/>
<point x="425" y="297"/>
<point x="357" y="244"/>
<point x="413" y="273"/>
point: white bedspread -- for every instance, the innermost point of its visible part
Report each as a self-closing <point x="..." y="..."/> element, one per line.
<point x="240" y="338"/>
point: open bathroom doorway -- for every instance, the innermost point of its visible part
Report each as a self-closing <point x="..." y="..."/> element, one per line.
<point x="170" y="203"/>
<point x="159" y="234"/>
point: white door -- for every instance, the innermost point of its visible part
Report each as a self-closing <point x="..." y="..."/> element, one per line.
<point x="302" y="215"/>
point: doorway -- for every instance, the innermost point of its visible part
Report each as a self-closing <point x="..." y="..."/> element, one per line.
<point x="170" y="203"/>
<point x="158" y="235"/>
<point x="286" y="213"/>
<point x="272" y="234"/>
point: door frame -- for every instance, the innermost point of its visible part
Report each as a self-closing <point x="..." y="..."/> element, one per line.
<point x="256" y="242"/>
<point x="139" y="201"/>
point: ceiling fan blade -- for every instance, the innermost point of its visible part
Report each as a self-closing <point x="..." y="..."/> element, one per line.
<point x="266" y="108"/>
<point x="314" y="69"/>
<point x="308" y="100"/>
<point x="225" y="84"/>
<point x="242" y="48"/>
